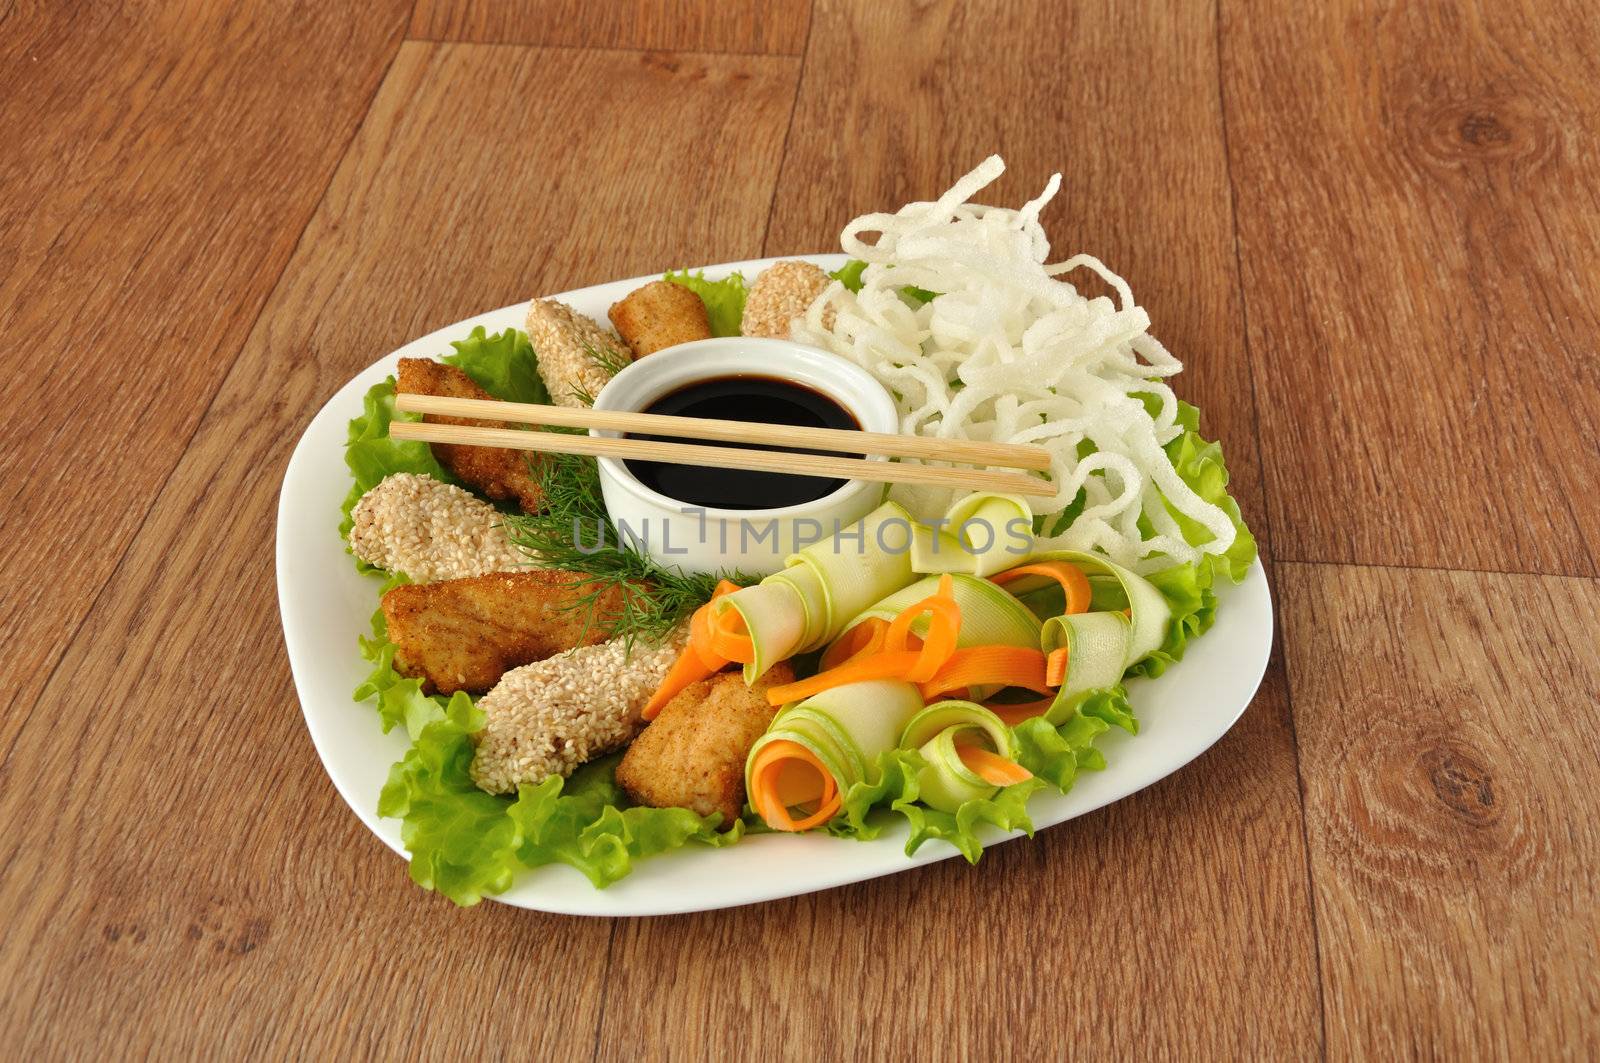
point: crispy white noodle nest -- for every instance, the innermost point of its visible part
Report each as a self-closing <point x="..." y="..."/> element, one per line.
<point x="1010" y="352"/>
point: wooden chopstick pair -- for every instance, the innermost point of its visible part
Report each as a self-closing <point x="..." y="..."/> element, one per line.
<point x="783" y="461"/>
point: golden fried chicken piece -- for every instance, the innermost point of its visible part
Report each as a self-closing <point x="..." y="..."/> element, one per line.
<point x="661" y="314"/>
<point x="692" y="756"/>
<point x="497" y="472"/>
<point x="464" y="634"/>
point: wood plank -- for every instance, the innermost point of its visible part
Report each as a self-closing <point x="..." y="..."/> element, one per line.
<point x="1144" y="177"/>
<point x="160" y="162"/>
<point x="1419" y="225"/>
<point x="202" y="814"/>
<point x="1449" y="728"/>
<point x="1177" y="922"/>
<point x="774" y="27"/>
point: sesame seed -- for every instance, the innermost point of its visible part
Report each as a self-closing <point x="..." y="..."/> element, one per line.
<point x="431" y="531"/>
<point x="549" y="717"/>
<point x="563" y="340"/>
<point x="783" y="292"/>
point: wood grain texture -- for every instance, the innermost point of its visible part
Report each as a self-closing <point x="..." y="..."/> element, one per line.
<point x="1419" y="223"/>
<point x="201" y="885"/>
<point x="1409" y="190"/>
<point x="1174" y="924"/>
<point x="771" y="27"/>
<point x="1449" y="726"/>
<point x="160" y="162"/>
<point x="1144" y="175"/>
<point x="1177" y="922"/>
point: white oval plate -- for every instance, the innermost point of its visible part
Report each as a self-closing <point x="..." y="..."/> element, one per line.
<point x="326" y="604"/>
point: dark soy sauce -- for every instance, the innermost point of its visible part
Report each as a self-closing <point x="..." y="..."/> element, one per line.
<point x="759" y="400"/>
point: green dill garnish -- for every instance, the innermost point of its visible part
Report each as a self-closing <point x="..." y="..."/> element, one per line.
<point x="575" y="534"/>
<point x="610" y="362"/>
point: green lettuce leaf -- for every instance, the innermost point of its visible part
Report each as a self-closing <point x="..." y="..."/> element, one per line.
<point x="1057" y="753"/>
<point x="1054" y="754"/>
<point x="1007" y="809"/>
<point x="724" y="299"/>
<point x="371" y="455"/>
<point x="849" y="275"/>
<point x="1188" y="588"/>
<point x="897" y="784"/>
<point x="585" y="821"/>
<point x="400" y="700"/>
<point x="463" y="842"/>
<point x="504" y="365"/>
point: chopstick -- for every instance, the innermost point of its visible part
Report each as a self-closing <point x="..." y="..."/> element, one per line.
<point x="964" y="451"/>
<point x="1015" y="483"/>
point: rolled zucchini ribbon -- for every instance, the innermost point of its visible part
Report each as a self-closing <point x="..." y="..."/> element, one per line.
<point x="1126" y="622"/>
<point x="818" y="749"/>
<point x="980" y="535"/>
<point x="967" y="753"/>
<point x="825" y="586"/>
<point x="806" y="605"/>
<point x="943" y="634"/>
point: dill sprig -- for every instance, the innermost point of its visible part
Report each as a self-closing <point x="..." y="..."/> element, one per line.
<point x="610" y="362"/>
<point x="573" y="533"/>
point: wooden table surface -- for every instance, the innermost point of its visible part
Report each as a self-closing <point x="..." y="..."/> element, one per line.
<point x="1370" y="229"/>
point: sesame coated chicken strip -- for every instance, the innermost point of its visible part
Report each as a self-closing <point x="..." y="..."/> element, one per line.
<point x="431" y="531"/>
<point x="784" y="291"/>
<point x="550" y="717"/>
<point x="576" y="356"/>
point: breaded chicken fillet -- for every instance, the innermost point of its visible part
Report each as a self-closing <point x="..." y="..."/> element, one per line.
<point x="496" y="472"/>
<point x="661" y="314"/>
<point x="693" y="754"/>
<point x="464" y="634"/>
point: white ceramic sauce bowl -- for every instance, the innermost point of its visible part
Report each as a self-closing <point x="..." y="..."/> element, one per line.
<point x="755" y="541"/>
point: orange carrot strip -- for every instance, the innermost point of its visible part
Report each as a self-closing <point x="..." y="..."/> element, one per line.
<point x="687" y="670"/>
<point x="1071" y="578"/>
<point x="698" y="661"/>
<point x="865" y="638"/>
<point x="944" y="628"/>
<point x="1015" y="712"/>
<point x="1006" y="666"/>
<point x="1056" y="666"/>
<point x="991" y="767"/>
<point x="730" y="639"/>
<point x="767" y="777"/>
<point x="877" y="666"/>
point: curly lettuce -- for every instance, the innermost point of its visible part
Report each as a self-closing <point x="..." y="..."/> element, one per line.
<point x="724" y="299"/>
<point x="504" y="365"/>
<point x="399" y="699"/>
<point x="587" y="823"/>
<point x="1188" y="588"/>
<point x="371" y="455"/>
<point x="463" y="842"/>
